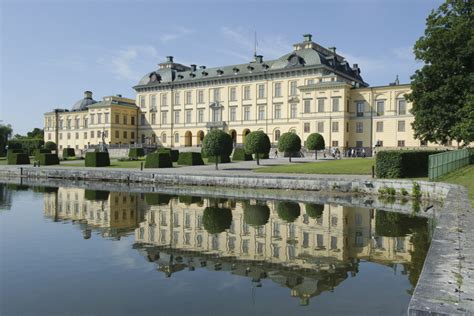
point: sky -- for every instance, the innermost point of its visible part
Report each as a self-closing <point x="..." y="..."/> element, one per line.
<point x="52" y="51"/>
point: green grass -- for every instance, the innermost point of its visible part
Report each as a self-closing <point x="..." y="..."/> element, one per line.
<point x="344" y="166"/>
<point x="464" y="177"/>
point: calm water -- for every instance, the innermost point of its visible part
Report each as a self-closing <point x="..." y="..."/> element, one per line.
<point x="70" y="251"/>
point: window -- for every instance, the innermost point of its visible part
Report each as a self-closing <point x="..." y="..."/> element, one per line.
<point x="293" y="88"/>
<point x="247" y="93"/>
<point x="124" y="120"/>
<point x="261" y="91"/>
<point x="176" y="138"/>
<point x="335" y="143"/>
<point x="277" y="111"/>
<point x="117" y="134"/>
<point x="132" y="120"/>
<point x="92" y="119"/>
<point x="125" y="134"/>
<point x="92" y="134"/>
<point x="200" y="97"/>
<point x="143" y="119"/>
<point x="293" y="110"/>
<point x="61" y="135"/>
<point x="277" y="135"/>
<point x="176" y="117"/>
<point x="164" y="99"/>
<point x="246" y="113"/>
<point x="142" y="101"/>
<point x="335" y="127"/>
<point x="99" y="118"/>
<point x="188" y="97"/>
<point x="310" y="81"/>
<point x="401" y="143"/>
<point x="153" y="101"/>
<point x="164" y="117"/>
<point x="307" y="106"/>
<point x="359" y="144"/>
<point x="380" y="108"/>
<point x="68" y="135"/>
<point x="163" y="137"/>
<point x="347" y="128"/>
<point x="359" y="127"/>
<point x="117" y="119"/>
<point x="335" y="104"/>
<point x="188" y="116"/>
<point x="61" y="123"/>
<point x="153" y="118"/>
<point x="106" y="118"/>
<point x="261" y="112"/>
<point x="320" y="105"/>
<point x="200" y="116"/>
<point x="86" y="123"/>
<point x="85" y="135"/>
<point x="278" y="89"/>
<point x="49" y="136"/>
<point x="306" y="127"/>
<point x="233" y="114"/>
<point x="360" y="108"/>
<point x="132" y="135"/>
<point x="217" y="94"/>
<point x="379" y="127"/>
<point x="320" y="127"/>
<point x="401" y="126"/>
<point x="233" y="94"/>
<point x="177" y="96"/>
<point x="402" y="107"/>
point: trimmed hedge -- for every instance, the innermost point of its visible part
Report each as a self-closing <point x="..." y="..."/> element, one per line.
<point x="97" y="159"/>
<point x="157" y="198"/>
<point x="47" y="159"/>
<point x="174" y="153"/>
<point x="190" y="159"/>
<point x="471" y="156"/>
<point x="18" y="159"/>
<point x="392" y="224"/>
<point x="241" y="155"/>
<point x="69" y="152"/>
<point x="220" y="159"/>
<point x="96" y="195"/>
<point x="37" y="152"/>
<point x="158" y="160"/>
<point x="136" y="152"/>
<point x="402" y="163"/>
<point x="27" y="144"/>
<point x="189" y="199"/>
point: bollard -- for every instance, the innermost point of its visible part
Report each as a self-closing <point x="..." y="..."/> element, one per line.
<point x="141" y="166"/>
<point x="373" y="172"/>
<point x="21" y="171"/>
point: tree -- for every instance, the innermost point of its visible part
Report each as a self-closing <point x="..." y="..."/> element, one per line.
<point x="5" y="134"/>
<point x="256" y="214"/>
<point x="289" y="143"/>
<point x="216" y="220"/>
<point x="217" y="143"/>
<point x="314" y="210"/>
<point x="36" y="133"/>
<point x="257" y="143"/>
<point x="288" y="211"/>
<point x="443" y="89"/>
<point x="315" y="142"/>
<point x="50" y="145"/>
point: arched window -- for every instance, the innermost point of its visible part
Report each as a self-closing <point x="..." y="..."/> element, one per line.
<point x="277" y="135"/>
<point x="176" y="138"/>
<point x="163" y="137"/>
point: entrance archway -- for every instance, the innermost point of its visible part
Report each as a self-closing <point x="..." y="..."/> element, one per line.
<point x="199" y="138"/>
<point x="188" y="139"/>
<point x="233" y="134"/>
<point x="244" y="134"/>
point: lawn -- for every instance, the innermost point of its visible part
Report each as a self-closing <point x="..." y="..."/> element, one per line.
<point x="464" y="177"/>
<point x="344" y="166"/>
<point x="132" y="164"/>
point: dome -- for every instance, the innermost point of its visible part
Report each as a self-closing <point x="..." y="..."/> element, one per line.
<point x="82" y="104"/>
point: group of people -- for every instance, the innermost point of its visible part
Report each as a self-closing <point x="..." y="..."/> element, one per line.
<point x="356" y="152"/>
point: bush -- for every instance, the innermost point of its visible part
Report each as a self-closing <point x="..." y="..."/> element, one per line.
<point x="158" y="160"/>
<point x="136" y="152"/>
<point x="46" y="159"/>
<point x="50" y="146"/>
<point x="174" y="153"/>
<point x="288" y="211"/>
<point x="314" y="210"/>
<point x="68" y="153"/>
<point x="18" y="159"/>
<point x="96" y="195"/>
<point x="289" y="143"/>
<point x="157" y="198"/>
<point x="27" y="144"/>
<point x="402" y="163"/>
<point x="97" y="159"/>
<point x="37" y="152"/>
<point x="218" y="143"/>
<point x="471" y="156"/>
<point x="216" y="220"/>
<point x="190" y="159"/>
<point x="257" y="143"/>
<point x="265" y="156"/>
<point x="315" y="142"/>
<point x="256" y="215"/>
<point x="241" y="155"/>
<point x="220" y="159"/>
<point x="203" y="153"/>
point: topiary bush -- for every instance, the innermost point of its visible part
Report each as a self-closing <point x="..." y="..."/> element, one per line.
<point x="220" y="159"/>
<point x="46" y="159"/>
<point x="289" y="143"/>
<point x="69" y="153"/>
<point x="50" y="146"/>
<point x="174" y="153"/>
<point x="256" y="214"/>
<point x="257" y="143"/>
<point x="18" y="159"/>
<point x="37" y="152"/>
<point x="315" y="142"/>
<point x="288" y="211"/>
<point x="97" y="159"/>
<point x="217" y="143"/>
<point x="158" y="160"/>
<point x="216" y="220"/>
<point x="136" y="152"/>
<point x="402" y="163"/>
<point x="190" y="159"/>
<point x="241" y="155"/>
<point x="314" y="210"/>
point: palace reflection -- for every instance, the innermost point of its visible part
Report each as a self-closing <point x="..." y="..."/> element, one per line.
<point x="307" y="248"/>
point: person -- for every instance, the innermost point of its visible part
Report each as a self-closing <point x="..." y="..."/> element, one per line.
<point x="276" y="153"/>
<point x="363" y="152"/>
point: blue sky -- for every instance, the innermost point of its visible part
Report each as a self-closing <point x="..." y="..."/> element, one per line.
<point x="51" y="51"/>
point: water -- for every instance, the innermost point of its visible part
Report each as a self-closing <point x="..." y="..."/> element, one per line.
<point x="70" y="251"/>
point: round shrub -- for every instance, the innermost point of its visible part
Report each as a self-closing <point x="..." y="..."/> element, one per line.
<point x="256" y="215"/>
<point x="315" y="142"/>
<point x="257" y="143"/>
<point x="216" y="220"/>
<point x="289" y="143"/>
<point x="288" y="211"/>
<point x="50" y="146"/>
<point x="217" y="143"/>
<point x="314" y="210"/>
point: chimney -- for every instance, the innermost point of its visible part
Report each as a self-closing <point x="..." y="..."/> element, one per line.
<point x="193" y="67"/>
<point x="307" y="37"/>
<point x="259" y="58"/>
<point x="169" y="59"/>
<point x="87" y="94"/>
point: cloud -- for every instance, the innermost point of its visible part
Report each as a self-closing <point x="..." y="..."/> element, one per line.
<point x="177" y="33"/>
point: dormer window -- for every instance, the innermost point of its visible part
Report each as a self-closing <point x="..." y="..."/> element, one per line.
<point x="235" y="70"/>
<point x="220" y="72"/>
<point x="265" y="66"/>
<point x="192" y="75"/>
<point x="250" y="68"/>
<point x="154" y="77"/>
<point x="180" y="76"/>
<point x="204" y="73"/>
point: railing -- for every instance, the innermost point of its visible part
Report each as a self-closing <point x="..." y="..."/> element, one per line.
<point x="441" y="164"/>
<point x="219" y="124"/>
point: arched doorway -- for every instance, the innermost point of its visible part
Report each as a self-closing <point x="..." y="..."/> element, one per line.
<point x="199" y="138"/>
<point x="244" y="134"/>
<point x="188" y="139"/>
<point x="276" y="135"/>
<point x="233" y="134"/>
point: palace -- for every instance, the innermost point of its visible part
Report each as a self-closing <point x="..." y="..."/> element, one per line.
<point x="311" y="89"/>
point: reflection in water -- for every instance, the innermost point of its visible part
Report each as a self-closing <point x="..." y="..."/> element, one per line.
<point x="308" y="248"/>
